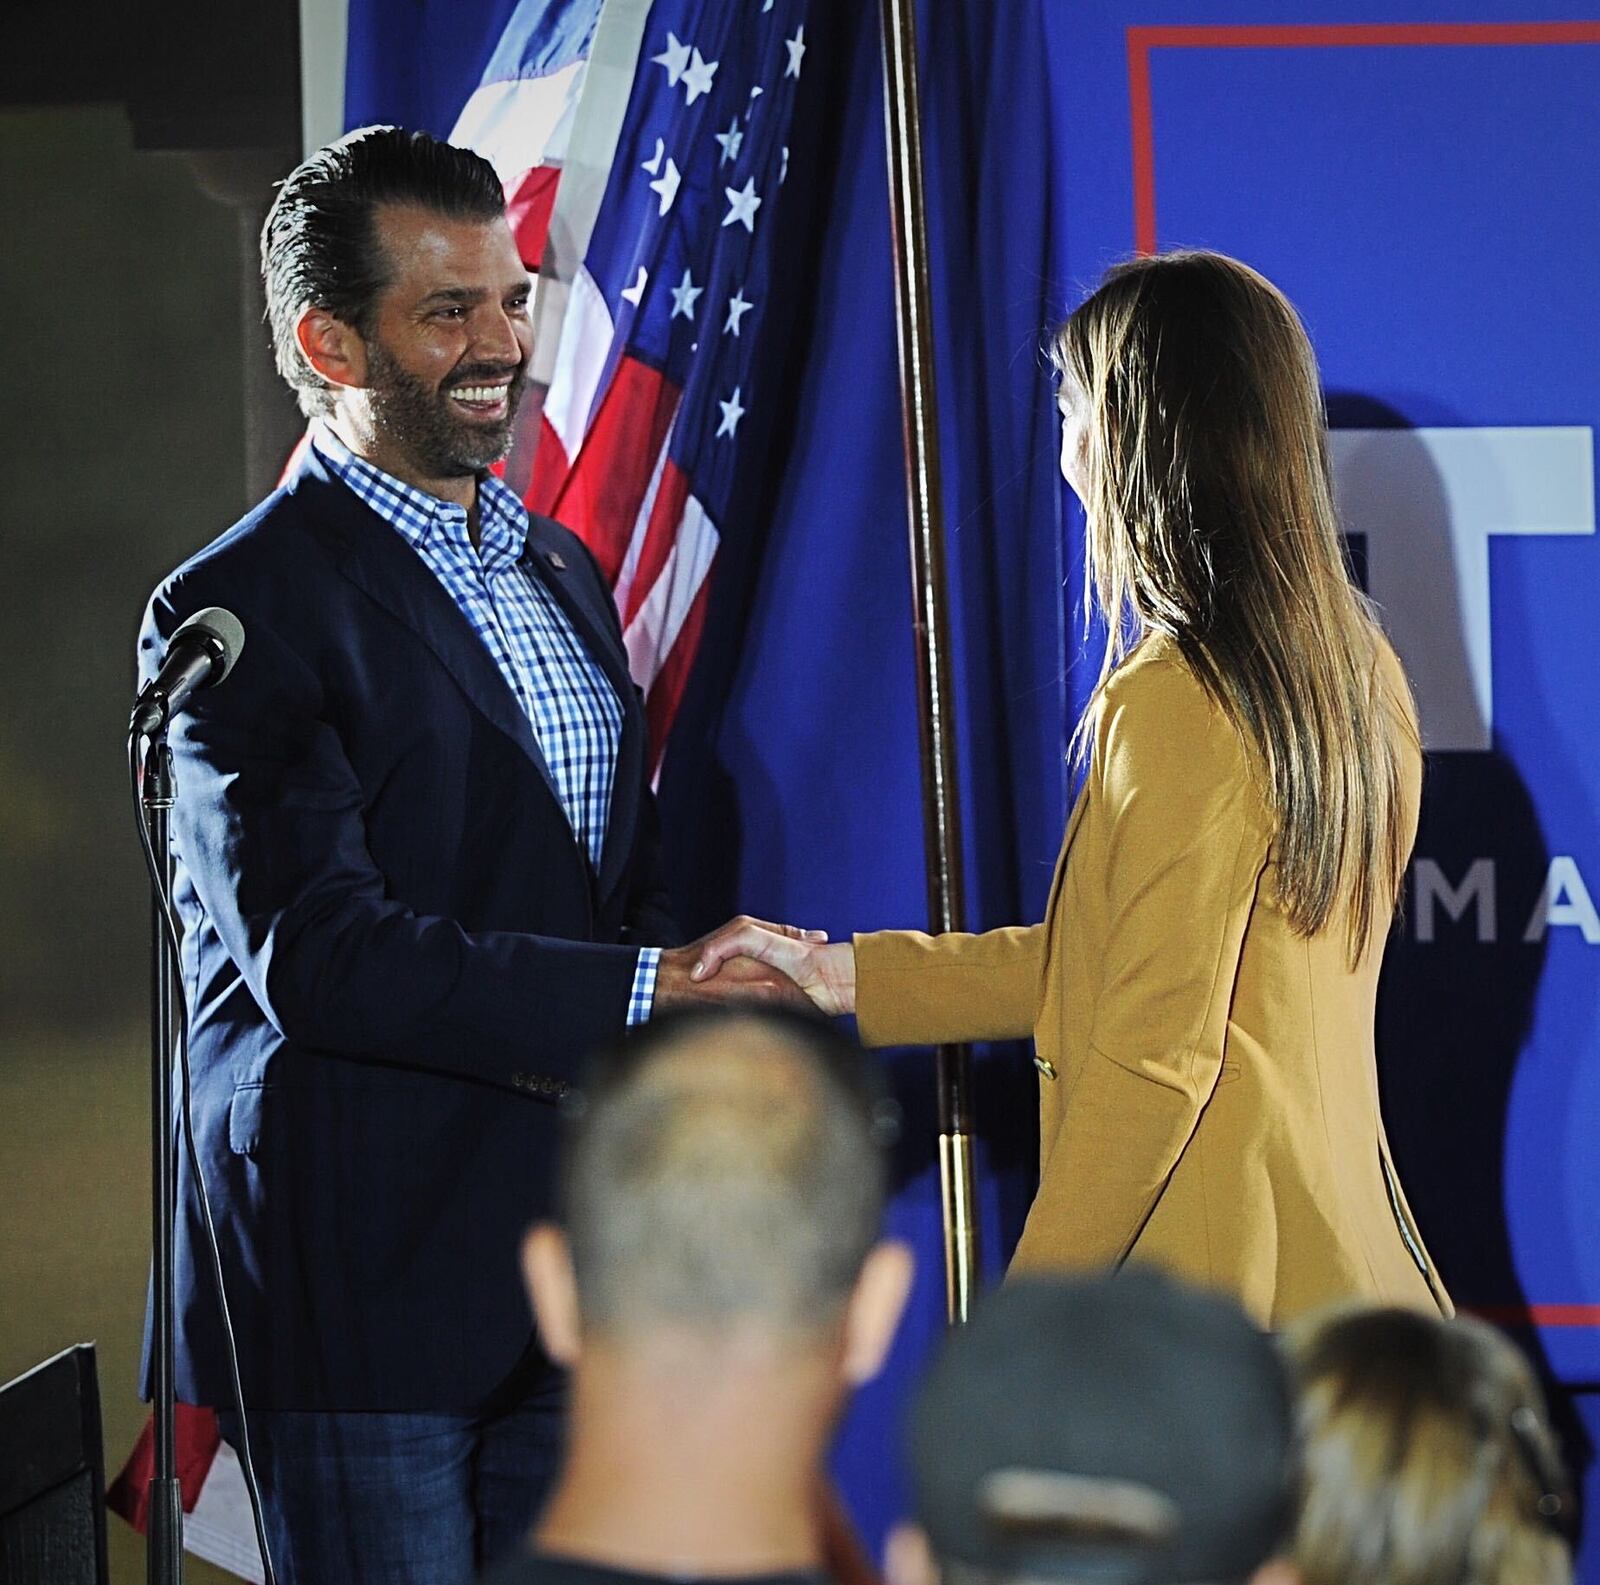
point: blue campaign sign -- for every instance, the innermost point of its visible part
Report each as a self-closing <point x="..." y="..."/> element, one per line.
<point x="1420" y="181"/>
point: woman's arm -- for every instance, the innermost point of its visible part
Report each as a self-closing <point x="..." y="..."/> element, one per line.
<point x="919" y="990"/>
<point x="906" y="988"/>
<point x="1187" y="845"/>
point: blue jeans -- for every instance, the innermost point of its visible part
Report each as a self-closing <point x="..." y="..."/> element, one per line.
<point x="400" y="1499"/>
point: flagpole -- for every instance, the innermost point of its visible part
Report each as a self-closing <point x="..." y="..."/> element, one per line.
<point x="941" y="817"/>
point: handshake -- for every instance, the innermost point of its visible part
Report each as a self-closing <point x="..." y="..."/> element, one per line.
<point x="751" y="960"/>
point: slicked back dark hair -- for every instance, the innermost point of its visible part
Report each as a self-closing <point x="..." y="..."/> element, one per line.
<point x="319" y="246"/>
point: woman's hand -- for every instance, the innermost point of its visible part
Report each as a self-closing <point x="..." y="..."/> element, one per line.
<point x="827" y="974"/>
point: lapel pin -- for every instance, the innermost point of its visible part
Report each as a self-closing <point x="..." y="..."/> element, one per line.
<point x="557" y="560"/>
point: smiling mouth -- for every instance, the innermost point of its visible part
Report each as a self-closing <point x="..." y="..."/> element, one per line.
<point x="483" y="401"/>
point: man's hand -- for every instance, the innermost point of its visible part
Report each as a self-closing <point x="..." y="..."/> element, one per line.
<point x="742" y="978"/>
<point x="827" y="974"/>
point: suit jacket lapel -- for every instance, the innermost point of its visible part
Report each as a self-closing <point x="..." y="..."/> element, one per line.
<point x="549" y="559"/>
<point x="1073" y="821"/>
<point x="374" y="556"/>
<point x="1052" y="911"/>
<point x="1079" y="804"/>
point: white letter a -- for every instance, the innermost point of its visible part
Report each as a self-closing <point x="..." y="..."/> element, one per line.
<point x="1564" y="901"/>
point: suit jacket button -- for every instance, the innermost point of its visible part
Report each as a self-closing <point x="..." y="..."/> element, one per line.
<point x="1045" y="1066"/>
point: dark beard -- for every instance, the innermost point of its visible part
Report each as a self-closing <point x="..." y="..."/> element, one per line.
<point x="418" y="419"/>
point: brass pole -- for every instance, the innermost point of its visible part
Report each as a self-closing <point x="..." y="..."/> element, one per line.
<point x="940" y="806"/>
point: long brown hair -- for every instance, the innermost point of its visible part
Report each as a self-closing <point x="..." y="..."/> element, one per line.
<point x="1427" y="1456"/>
<point x="1211" y="519"/>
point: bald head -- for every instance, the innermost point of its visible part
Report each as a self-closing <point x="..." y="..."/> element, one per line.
<point x="727" y="1168"/>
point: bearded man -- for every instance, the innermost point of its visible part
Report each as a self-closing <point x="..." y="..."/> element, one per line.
<point x="416" y="869"/>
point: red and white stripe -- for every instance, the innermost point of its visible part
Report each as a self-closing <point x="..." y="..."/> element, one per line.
<point x="217" y="1524"/>
<point x="603" y="469"/>
<point x="523" y="127"/>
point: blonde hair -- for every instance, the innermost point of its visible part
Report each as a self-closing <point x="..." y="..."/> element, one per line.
<point x="1211" y="519"/>
<point x="1428" y="1459"/>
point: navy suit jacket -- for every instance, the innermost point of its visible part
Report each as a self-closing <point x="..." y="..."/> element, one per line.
<point x="396" y="956"/>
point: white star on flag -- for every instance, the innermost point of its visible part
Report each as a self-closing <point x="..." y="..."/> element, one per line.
<point x="697" y="80"/>
<point x="743" y="204"/>
<point x="683" y="296"/>
<point x="730" y="141"/>
<point x="653" y="164"/>
<point x="675" y="58"/>
<point x="731" y="414"/>
<point x="755" y="94"/>
<point x="738" y="307"/>
<point x="667" y="185"/>
<point x="635" y="293"/>
<point x="783" y="167"/>
<point x="796" y="48"/>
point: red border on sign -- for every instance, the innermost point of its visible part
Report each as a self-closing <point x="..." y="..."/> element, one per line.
<point x="1398" y="35"/>
<point x="1537" y="1314"/>
<point x="1401" y="35"/>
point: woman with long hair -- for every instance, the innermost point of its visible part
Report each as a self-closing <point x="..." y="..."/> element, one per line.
<point x="1427" y="1456"/>
<point x="1201" y="991"/>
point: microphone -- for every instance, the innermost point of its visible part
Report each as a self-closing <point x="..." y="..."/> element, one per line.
<point x="201" y="654"/>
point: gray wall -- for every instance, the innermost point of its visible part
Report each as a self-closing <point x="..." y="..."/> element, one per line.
<point x="134" y="395"/>
<point x="123" y="409"/>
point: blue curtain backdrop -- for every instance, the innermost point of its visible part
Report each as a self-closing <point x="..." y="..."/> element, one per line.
<point x="1431" y="209"/>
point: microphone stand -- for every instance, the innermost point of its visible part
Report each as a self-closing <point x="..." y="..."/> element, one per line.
<point x="164" y="1557"/>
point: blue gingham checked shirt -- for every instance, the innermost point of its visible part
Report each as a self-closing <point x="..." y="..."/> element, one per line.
<point x="572" y="707"/>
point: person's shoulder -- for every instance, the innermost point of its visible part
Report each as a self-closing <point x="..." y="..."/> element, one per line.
<point x="204" y="576"/>
<point x="1161" y="736"/>
<point x="266" y="558"/>
<point x="1154" y="675"/>
<point x="282" y="527"/>
<point x="1392" y="680"/>
<point x="1155" y="700"/>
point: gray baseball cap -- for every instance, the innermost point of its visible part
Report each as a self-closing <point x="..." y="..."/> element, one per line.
<point x="1125" y="1429"/>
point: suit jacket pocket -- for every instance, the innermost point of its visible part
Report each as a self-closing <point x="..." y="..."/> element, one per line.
<point x="244" y="1120"/>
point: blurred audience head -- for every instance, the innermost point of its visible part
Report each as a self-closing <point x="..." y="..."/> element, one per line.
<point x="1123" y="1430"/>
<point x="1428" y="1456"/>
<point x="724" y="1181"/>
<point x="321" y="245"/>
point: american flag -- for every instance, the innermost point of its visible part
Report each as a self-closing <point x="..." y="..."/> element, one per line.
<point x="652" y="300"/>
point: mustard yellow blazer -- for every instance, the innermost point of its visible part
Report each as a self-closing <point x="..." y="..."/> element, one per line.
<point x="1208" y="1094"/>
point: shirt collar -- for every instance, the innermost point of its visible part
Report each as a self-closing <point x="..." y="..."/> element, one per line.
<point x="416" y="515"/>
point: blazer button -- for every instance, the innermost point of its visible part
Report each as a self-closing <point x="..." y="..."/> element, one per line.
<point x="1045" y="1066"/>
